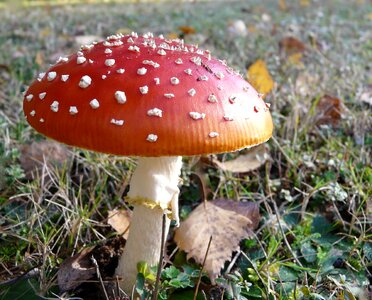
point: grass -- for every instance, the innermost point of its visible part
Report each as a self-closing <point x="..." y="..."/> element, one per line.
<point x="315" y="193"/>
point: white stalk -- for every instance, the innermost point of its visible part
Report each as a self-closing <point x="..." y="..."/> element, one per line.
<point x="155" y="179"/>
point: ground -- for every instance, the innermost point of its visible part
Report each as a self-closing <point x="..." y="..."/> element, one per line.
<point x="314" y="189"/>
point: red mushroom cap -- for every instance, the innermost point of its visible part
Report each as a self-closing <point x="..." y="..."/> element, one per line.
<point x="147" y="96"/>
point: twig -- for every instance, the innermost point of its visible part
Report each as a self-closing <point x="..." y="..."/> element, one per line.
<point x="201" y="270"/>
<point x="160" y="264"/>
<point x="99" y="277"/>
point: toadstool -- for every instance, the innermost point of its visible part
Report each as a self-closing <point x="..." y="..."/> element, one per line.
<point x="149" y="97"/>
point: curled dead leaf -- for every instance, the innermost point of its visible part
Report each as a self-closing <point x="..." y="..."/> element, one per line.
<point x="291" y="45"/>
<point x="80" y="268"/>
<point x="227" y="221"/>
<point x="259" y="76"/>
<point x="251" y="160"/>
<point x="34" y="156"/>
<point x="187" y="30"/>
<point x="120" y="221"/>
<point x="75" y="270"/>
<point x="328" y="111"/>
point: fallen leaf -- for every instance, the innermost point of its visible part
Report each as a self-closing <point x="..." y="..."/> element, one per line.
<point x="75" y="270"/>
<point x="282" y="5"/>
<point x="249" y="161"/>
<point x="305" y="3"/>
<point x="120" y="221"/>
<point x="79" y="268"/>
<point x="187" y="30"/>
<point x="328" y="111"/>
<point x="227" y="221"/>
<point x="34" y="156"/>
<point x="259" y="76"/>
<point x="291" y="45"/>
<point x="39" y="59"/>
<point x="295" y="59"/>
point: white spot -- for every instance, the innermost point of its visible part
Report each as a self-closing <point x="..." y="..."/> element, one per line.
<point x="54" y="106"/>
<point x="51" y="76"/>
<point x="192" y="92"/>
<point x="108" y="51"/>
<point x="179" y="61"/>
<point x="196" y="60"/>
<point x="109" y="62"/>
<point x="73" y="110"/>
<point x="94" y="103"/>
<point x="85" y="81"/>
<point x="120" y="97"/>
<point x="162" y="52"/>
<point x="151" y="63"/>
<point x="134" y="49"/>
<point x="169" y="95"/>
<point x="144" y="89"/>
<point x="117" y="122"/>
<point x="120" y="71"/>
<point x="130" y="40"/>
<point x="196" y="115"/>
<point x="62" y="59"/>
<point x="141" y="71"/>
<point x="157" y="80"/>
<point x="41" y="120"/>
<point x="87" y="47"/>
<point x="203" y="78"/>
<point x="213" y="134"/>
<point x="79" y="53"/>
<point x="219" y="75"/>
<point x="32" y="113"/>
<point x="41" y="76"/>
<point x="228" y="118"/>
<point x="65" y="77"/>
<point x="152" y="138"/>
<point x="42" y="95"/>
<point x="174" y="80"/>
<point x="134" y="34"/>
<point x="188" y="71"/>
<point x="80" y="60"/>
<point x="212" y="98"/>
<point x="29" y="97"/>
<point x="103" y="76"/>
<point x="91" y="61"/>
<point x="155" y="112"/>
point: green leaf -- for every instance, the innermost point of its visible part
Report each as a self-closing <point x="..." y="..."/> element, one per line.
<point x="287" y="274"/>
<point x="21" y="290"/>
<point x="309" y="252"/>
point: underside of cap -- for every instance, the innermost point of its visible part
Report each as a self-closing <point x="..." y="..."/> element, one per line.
<point x="146" y="96"/>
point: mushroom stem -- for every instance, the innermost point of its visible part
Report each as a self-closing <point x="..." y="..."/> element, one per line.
<point x="153" y="189"/>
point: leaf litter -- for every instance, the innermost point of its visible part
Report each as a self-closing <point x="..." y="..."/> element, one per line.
<point x="226" y="221"/>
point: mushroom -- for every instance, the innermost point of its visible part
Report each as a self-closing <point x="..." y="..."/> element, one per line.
<point x="153" y="98"/>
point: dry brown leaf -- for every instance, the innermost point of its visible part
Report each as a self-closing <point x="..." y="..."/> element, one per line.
<point x="39" y="59"/>
<point x="259" y="76"/>
<point x="187" y="30"/>
<point x="227" y="221"/>
<point x="291" y="45"/>
<point x="328" y="111"/>
<point x="75" y="270"/>
<point x="251" y="160"/>
<point x="282" y="5"/>
<point x="33" y="157"/>
<point x="172" y="35"/>
<point x="120" y="221"/>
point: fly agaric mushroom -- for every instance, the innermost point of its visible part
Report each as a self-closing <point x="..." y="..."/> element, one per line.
<point x="149" y="97"/>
